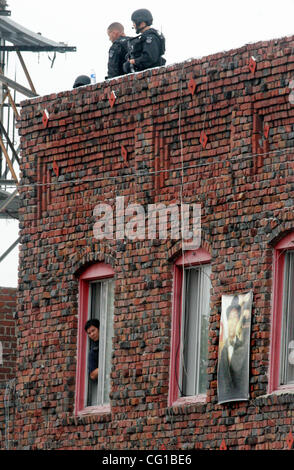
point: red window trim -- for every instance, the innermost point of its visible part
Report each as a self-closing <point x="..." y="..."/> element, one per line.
<point x="92" y="273"/>
<point x="189" y="258"/>
<point x="286" y="244"/>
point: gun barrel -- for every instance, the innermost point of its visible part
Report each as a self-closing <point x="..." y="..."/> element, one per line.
<point x="130" y="50"/>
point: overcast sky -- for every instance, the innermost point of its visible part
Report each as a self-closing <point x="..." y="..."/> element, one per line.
<point x="192" y="29"/>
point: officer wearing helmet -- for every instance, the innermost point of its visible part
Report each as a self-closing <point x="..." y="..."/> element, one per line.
<point x="146" y="50"/>
<point x="81" y="80"/>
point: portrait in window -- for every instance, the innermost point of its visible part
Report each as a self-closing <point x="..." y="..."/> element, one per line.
<point x="234" y="348"/>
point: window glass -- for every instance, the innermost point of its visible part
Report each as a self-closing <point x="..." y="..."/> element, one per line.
<point x="101" y="300"/>
<point x="287" y="332"/>
<point x="195" y="319"/>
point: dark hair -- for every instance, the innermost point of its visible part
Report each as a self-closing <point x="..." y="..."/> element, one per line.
<point x="92" y="322"/>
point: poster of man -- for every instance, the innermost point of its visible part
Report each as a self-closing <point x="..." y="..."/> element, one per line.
<point x="234" y="348"/>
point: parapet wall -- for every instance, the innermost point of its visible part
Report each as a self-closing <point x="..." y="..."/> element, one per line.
<point x="217" y="131"/>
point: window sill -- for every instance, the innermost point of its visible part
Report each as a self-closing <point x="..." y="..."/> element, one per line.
<point x="103" y="410"/>
<point x="282" y="390"/>
<point x="190" y="400"/>
<point x="89" y="415"/>
<point x="185" y="405"/>
<point x="279" y="396"/>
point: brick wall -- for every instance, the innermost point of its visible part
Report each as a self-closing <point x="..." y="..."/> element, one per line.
<point x="8" y="363"/>
<point x="233" y="138"/>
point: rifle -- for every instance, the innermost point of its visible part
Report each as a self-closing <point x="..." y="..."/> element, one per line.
<point x="130" y="54"/>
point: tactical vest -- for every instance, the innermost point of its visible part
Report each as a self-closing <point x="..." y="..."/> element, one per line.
<point x="136" y="45"/>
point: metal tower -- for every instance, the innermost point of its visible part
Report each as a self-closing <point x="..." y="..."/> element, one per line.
<point x="14" y="39"/>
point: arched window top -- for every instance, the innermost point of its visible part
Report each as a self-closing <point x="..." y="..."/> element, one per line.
<point x="286" y="243"/>
<point x="194" y="257"/>
<point x="96" y="271"/>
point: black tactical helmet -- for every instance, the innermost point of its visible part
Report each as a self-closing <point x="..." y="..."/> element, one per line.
<point x="81" y="80"/>
<point x="142" y="15"/>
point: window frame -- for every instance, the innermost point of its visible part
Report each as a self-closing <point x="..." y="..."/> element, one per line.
<point x="188" y="259"/>
<point x="96" y="272"/>
<point x="283" y="246"/>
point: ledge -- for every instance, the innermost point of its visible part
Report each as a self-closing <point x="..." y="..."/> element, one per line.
<point x="88" y="416"/>
<point x="275" y="397"/>
<point x="187" y="405"/>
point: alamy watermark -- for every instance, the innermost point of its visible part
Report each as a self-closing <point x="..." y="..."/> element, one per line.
<point x="176" y="221"/>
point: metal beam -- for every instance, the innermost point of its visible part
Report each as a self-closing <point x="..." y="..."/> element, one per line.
<point x="12" y="104"/>
<point x="8" y="105"/>
<point x="24" y="67"/>
<point x="2" y="257"/>
<point x="4" y="97"/>
<point x="4" y="182"/>
<point x="16" y="86"/>
<point x="22" y="39"/>
<point x="38" y="48"/>
<point x="8" y="161"/>
<point x="8" y="200"/>
<point x="3" y="130"/>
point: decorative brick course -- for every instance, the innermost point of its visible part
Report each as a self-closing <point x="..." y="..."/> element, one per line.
<point x="243" y="179"/>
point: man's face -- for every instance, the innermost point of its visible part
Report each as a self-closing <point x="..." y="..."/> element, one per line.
<point x="232" y="323"/>
<point x="139" y="27"/>
<point x="113" y="35"/>
<point x="93" y="333"/>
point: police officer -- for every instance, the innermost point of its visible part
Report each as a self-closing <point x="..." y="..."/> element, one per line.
<point x="147" y="49"/>
<point x="81" y="80"/>
<point x="118" y="51"/>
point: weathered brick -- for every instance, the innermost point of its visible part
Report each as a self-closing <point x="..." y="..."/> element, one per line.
<point x="246" y="200"/>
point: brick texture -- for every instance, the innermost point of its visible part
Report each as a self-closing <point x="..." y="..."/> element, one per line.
<point x="8" y="363"/>
<point x="240" y="171"/>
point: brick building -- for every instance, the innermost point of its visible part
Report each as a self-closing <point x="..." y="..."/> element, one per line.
<point x="217" y="132"/>
<point x="7" y="358"/>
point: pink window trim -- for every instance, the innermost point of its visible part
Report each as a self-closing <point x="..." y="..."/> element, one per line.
<point x="287" y="243"/>
<point x="189" y="258"/>
<point x="92" y="273"/>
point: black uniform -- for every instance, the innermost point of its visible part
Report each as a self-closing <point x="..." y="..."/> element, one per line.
<point x="147" y="50"/>
<point x="93" y="356"/>
<point x="117" y="56"/>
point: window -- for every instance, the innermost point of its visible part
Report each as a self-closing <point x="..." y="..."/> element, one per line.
<point x="96" y="301"/>
<point x="282" y="337"/>
<point x="189" y="349"/>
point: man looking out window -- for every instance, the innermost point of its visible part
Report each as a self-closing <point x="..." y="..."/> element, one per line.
<point x="92" y="329"/>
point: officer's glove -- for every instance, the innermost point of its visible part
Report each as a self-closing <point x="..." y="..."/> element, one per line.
<point x="126" y="67"/>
